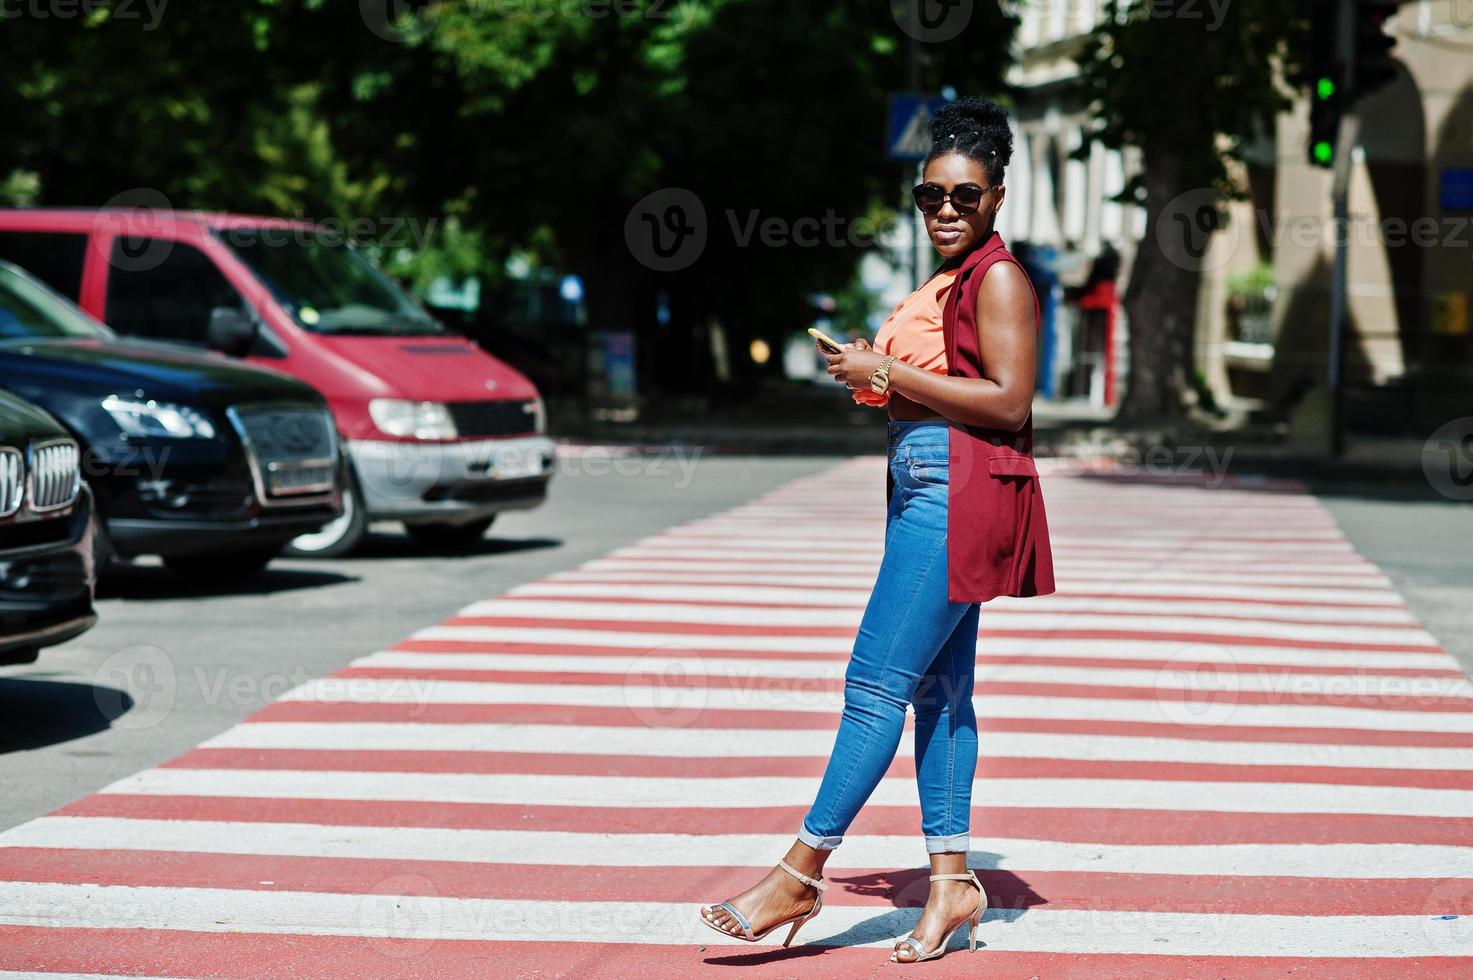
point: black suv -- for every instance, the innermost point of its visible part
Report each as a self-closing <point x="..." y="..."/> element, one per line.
<point x="46" y="534"/>
<point x="211" y="464"/>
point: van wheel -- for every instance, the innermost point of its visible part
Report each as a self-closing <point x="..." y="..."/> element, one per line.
<point x="447" y="536"/>
<point x="221" y="568"/>
<point x="340" y="536"/>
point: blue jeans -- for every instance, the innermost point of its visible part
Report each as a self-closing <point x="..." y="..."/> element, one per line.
<point x="913" y="648"/>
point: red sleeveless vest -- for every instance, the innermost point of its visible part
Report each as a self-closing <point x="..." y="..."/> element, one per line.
<point x="997" y="538"/>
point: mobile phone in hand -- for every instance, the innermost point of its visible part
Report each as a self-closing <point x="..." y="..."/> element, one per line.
<point x="825" y="343"/>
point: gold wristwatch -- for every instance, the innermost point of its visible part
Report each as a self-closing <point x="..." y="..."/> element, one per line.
<point x="879" y="381"/>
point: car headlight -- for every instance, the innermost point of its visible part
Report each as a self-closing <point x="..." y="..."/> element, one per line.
<point x="407" y="419"/>
<point x="154" y="419"/>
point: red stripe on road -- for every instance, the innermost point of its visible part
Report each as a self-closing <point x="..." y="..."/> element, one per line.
<point x="1146" y="661"/>
<point x="1076" y="825"/>
<point x="724" y="718"/>
<point x="756" y="685"/>
<point x="560" y="648"/>
<point x="850" y="887"/>
<point x="581" y="764"/>
<point x="247" y="956"/>
<point x="593" y="578"/>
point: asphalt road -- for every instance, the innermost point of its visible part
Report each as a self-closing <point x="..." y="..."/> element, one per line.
<point x="171" y="664"/>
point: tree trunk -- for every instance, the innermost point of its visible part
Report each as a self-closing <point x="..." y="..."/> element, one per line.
<point x="1161" y="298"/>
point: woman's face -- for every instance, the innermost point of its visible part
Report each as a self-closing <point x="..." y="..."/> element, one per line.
<point x="951" y="232"/>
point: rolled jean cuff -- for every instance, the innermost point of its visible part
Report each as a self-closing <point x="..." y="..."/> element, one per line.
<point x="949" y="844"/>
<point x="819" y="843"/>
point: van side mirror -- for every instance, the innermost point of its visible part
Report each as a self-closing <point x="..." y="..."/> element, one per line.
<point x="231" y="331"/>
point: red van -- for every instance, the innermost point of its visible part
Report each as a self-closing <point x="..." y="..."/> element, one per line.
<point x="436" y="433"/>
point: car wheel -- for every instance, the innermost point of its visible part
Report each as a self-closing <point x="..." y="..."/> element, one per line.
<point x="221" y="568"/>
<point x="340" y="536"/>
<point x="447" y="536"/>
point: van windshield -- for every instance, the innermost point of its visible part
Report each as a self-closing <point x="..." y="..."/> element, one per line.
<point x="328" y="288"/>
<point x="29" y="310"/>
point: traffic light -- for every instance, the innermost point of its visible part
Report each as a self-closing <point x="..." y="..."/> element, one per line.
<point x="1320" y="71"/>
<point x="1324" y="122"/>
<point x="1374" y="66"/>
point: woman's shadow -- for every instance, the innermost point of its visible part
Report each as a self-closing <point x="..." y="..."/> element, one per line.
<point x="1008" y="897"/>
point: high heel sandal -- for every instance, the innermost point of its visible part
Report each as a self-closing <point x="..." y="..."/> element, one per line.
<point x="796" y="920"/>
<point x="974" y="920"/>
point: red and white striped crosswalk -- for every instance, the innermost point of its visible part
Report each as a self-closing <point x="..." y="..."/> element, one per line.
<point x="1224" y="748"/>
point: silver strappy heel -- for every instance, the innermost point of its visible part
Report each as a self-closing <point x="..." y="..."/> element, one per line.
<point x="973" y="921"/>
<point x="797" y="920"/>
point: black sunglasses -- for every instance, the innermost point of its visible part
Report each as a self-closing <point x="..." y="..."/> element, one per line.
<point x="965" y="198"/>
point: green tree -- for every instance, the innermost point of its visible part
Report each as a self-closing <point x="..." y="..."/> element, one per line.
<point x="536" y="126"/>
<point x="1189" y="86"/>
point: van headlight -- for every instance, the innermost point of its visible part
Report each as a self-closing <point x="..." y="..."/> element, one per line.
<point x="407" y="419"/>
<point x="155" y="419"/>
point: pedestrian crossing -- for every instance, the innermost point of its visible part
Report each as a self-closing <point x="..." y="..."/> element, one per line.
<point x="1224" y="748"/>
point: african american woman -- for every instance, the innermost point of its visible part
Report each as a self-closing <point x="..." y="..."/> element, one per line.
<point x="954" y="365"/>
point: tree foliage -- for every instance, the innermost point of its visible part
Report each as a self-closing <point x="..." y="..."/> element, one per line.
<point x="534" y="124"/>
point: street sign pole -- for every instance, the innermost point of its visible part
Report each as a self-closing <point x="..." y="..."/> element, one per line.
<point x="915" y="214"/>
<point x="1340" y="194"/>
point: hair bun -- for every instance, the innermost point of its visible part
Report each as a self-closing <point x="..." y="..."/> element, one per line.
<point x="975" y="126"/>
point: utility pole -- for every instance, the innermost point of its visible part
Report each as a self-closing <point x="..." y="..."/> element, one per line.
<point x="914" y="51"/>
<point x="1345" y="34"/>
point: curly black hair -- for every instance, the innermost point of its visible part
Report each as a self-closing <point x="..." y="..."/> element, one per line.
<point x="975" y="127"/>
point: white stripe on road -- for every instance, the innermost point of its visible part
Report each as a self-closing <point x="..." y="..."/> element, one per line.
<point x="435" y="918"/>
<point x="698" y="743"/>
<point x="782" y="597"/>
<point x="733" y="850"/>
<point x="558" y="611"/>
<point x="738" y="792"/>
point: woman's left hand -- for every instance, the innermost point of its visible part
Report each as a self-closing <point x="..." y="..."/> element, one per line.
<point x="853" y="367"/>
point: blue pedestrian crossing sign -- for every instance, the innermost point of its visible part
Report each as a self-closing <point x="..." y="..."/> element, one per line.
<point x="908" y="135"/>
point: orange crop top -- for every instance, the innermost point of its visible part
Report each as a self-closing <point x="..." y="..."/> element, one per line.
<point x="913" y="332"/>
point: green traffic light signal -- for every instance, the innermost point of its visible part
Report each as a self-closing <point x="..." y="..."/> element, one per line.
<point x="1325" y="89"/>
<point x="1324" y="152"/>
